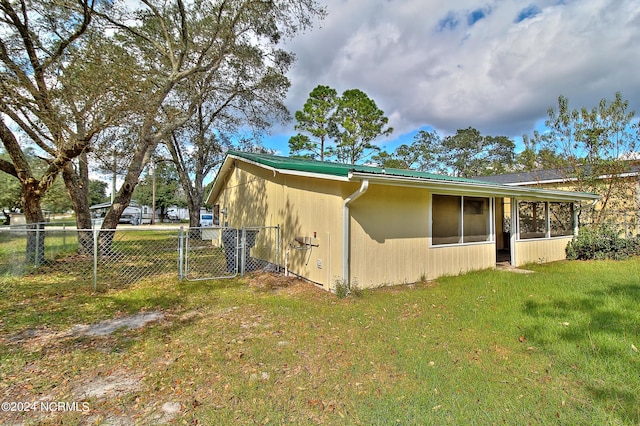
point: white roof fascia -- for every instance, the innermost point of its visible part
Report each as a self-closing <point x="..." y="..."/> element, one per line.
<point x="291" y="172"/>
<point x="538" y="182"/>
<point x="472" y="188"/>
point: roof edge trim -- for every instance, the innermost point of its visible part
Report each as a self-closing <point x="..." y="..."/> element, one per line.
<point x="477" y="188"/>
<point x="289" y="171"/>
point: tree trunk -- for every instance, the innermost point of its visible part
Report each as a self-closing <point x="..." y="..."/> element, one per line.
<point x="35" y="222"/>
<point x="194" y="212"/>
<point x="77" y="183"/>
<point x="123" y="197"/>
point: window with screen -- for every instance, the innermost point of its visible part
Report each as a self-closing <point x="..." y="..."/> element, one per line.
<point x="476" y="220"/>
<point x="458" y="219"/>
<point x="561" y="219"/>
<point x="533" y="219"/>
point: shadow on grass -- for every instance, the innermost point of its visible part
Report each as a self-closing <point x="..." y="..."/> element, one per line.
<point x="598" y="311"/>
<point x="622" y="402"/>
<point x="58" y="301"/>
<point x="599" y="325"/>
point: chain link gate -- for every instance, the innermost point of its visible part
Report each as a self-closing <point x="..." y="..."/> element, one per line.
<point x="218" y="252"/>
<point x="209" y="253"/>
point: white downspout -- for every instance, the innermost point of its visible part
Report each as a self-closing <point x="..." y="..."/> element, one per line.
<point x="346" y="217"/>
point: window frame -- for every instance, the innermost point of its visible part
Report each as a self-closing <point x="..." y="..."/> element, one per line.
<point x="573" y="221"/>
<point x="548" y="234"/>
<point x="463" y="210"/>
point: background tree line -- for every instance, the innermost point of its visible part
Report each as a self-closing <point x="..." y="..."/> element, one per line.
<point x="592" y="148"/>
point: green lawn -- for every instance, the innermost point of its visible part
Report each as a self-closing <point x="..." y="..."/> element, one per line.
<point x="559" y="346"/>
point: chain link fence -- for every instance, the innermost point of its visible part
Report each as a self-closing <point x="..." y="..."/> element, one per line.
<point x="226" y="252"/>
<point x="124" y="256"/>
<point x="38" y="248"/>
<point x="112" y="258"/>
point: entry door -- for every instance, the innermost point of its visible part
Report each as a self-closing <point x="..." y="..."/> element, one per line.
<point x="503" y="229"/>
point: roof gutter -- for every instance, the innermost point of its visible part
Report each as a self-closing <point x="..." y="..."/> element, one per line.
<point x="478" y="188"/>
<point x="564" y="179"/>
<point x="346" y="235"/>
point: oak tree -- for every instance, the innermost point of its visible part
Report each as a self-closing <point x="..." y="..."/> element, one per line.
<point x="186" y="48"/>
<point x="36" y="39"/>
<point x="468" y="153"/>
<point x="421" y="154"/>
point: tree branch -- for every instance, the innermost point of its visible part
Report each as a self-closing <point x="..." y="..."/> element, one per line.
<point x="20" y="164"/>
<point x="87" y="11"/>
<point x="8" y="168"/>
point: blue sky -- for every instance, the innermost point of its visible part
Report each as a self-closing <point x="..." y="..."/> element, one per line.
<point x="496" y="66"/>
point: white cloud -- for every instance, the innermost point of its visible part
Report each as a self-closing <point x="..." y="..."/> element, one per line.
<point x="495" y="66"/>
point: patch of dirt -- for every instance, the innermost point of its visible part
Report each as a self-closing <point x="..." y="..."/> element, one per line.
<point x="508" y="268"/>
<point x="35" y="339"/>
<point x="113" y="385"/>
<point x="266" y="281"/>
<point x="109" y="326"/>
<point x="92" y="391"/>
<point x="94" y="386"/>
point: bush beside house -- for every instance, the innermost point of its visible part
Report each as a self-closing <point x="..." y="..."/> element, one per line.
<point x="602" y="242"/>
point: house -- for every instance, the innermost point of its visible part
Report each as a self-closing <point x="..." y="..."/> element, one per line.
<point x="375" y="226"/>
<point x="620" y="201"/>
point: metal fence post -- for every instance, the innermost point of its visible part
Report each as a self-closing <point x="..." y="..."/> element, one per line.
<point x="241" y="250"/>
<point x="37" y="251"/>
<point x="181" y="254"/>
<point x="96" y="231"/>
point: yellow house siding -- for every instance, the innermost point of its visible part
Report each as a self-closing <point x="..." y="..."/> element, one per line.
<point x="248" y="196"/>
<point x="390" y="240"/>
<point x="312" y="207"/>
<point x="541" y="250"/>
<point x="389" y="236"/>
<point x="254" y="196"/>
<point x="459" y="259"/>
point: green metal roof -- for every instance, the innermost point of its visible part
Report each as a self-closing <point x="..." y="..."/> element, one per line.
<point x="388" y="176"/>
<point x="341" y="169"/>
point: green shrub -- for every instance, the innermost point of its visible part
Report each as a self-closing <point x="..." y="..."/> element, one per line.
<point x="342" y="289"/>
<point x="602" y="242"/>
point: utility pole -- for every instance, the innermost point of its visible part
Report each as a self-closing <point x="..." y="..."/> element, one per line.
<point x="153" y="192"/>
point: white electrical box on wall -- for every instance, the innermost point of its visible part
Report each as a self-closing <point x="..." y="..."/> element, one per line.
<point x="319" y="263"/>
